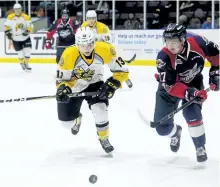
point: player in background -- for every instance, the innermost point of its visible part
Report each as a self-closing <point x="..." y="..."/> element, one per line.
<point x="17" y="28"/>
<point x="66" y="28"/>
<point x="81" y="69"/>
<point x="100" y="30"/>
<point x="180" y="66"/>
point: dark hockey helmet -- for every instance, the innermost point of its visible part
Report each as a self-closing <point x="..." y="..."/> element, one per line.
<point x="65" y="11"/>
<point x="65" y="15"/>
<point x="174" y="31"/>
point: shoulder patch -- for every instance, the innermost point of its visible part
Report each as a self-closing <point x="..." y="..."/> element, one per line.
<point x="112" y="50"/>
<point x="61" y="62"/>
<point x="105" y="30"/>
<point x="160" y="63"/>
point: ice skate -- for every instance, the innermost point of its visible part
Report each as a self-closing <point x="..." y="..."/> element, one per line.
<point x="106" y="145"/>
<point x="175" y="140"/>
<point x="23" y="66"/>
<point x="76" y="127"/>
<point x="27" y="67"/>
<point x="201" y="154"/>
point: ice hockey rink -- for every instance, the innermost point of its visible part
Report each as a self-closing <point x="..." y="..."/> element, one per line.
<point x="35" y="151"/>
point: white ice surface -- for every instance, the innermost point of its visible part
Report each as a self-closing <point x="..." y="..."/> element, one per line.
<point x="35" y="151"/>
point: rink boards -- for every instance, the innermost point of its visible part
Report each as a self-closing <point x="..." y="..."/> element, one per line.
<point x="144" y="43"/>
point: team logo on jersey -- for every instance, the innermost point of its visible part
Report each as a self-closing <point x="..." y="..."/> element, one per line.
<point x="160" y="63"/>
<point x="61" y="62"/>
<point x="112" y="50"/>
<point x="190" y="74"/>
<point x="64" y="33"/>
<point x="82" y="74"/>
<point x="19" y="26"/>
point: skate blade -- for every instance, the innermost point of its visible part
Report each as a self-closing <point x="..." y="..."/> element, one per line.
<point x="27" y="70"/>
<point x="108" y="155"/>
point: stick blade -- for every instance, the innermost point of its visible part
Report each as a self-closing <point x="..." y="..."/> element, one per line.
<point x="145" y="120"/>
<point x="131" y="60"/>
<point x="153" y="124"/>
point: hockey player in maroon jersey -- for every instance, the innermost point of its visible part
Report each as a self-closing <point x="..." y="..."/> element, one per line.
<point x="180" y="66"/>
<point x="66" y="30"/>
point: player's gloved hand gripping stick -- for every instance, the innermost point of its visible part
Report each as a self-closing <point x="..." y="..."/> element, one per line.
<point x="167" y="117"/>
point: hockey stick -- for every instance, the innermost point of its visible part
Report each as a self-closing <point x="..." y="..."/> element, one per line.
<point x="60" y="46"/>
<point x="128" y="82"/>
<point x="83" y="94"/>
<point x="153" y="124"/>
<point x="131" y="60"/>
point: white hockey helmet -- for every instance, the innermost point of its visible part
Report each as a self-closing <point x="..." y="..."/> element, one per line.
<point x="91" y="14"/>
<point x="17" y="9"/>
<point x="84" y="36"/>
<point x="17" y="6"/>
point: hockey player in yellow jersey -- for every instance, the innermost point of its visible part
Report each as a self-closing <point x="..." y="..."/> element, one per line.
<point x="81" y="69"/>
<point x="100" y="29"/>
<point x="101" y="32"/>
<point x="17" y="28"/>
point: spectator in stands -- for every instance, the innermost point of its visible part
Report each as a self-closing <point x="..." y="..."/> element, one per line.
<point x="165" y="8"/>
<point x="217" y="23"/>
<point x="183" y="20"/>
<point x="194" y="23"/>
<point x="79" y="18"/>
<point x="141" y="21"/>
<point x="208" y="23"/>
<point x="199" y="13"/>
<point x="40" y="12"/>
<point x="131" y="23"/>
<point x="155" y="22"/>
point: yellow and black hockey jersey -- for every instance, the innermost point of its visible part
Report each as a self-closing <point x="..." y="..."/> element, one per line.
<point x="18" y="25"/>
<point x="72" y="61"/>
<point x="100" y="30"/>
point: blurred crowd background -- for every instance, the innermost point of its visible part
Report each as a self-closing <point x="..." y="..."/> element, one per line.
<point x="130" y="15"/>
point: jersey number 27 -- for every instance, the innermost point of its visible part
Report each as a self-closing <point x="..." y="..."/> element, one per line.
<point x="163" y="77"/>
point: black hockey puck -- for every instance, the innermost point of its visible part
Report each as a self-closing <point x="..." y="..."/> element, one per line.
<point x="93" y="179"/>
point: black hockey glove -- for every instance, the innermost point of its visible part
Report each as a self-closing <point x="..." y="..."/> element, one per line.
<point x="62" y="94"/>
<point x="214" y="77"/>
<point x="8" y="34"/>
<point x="108" y="89"/>
<point x="191" y="92"/>
<point x="25" y="33"/>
